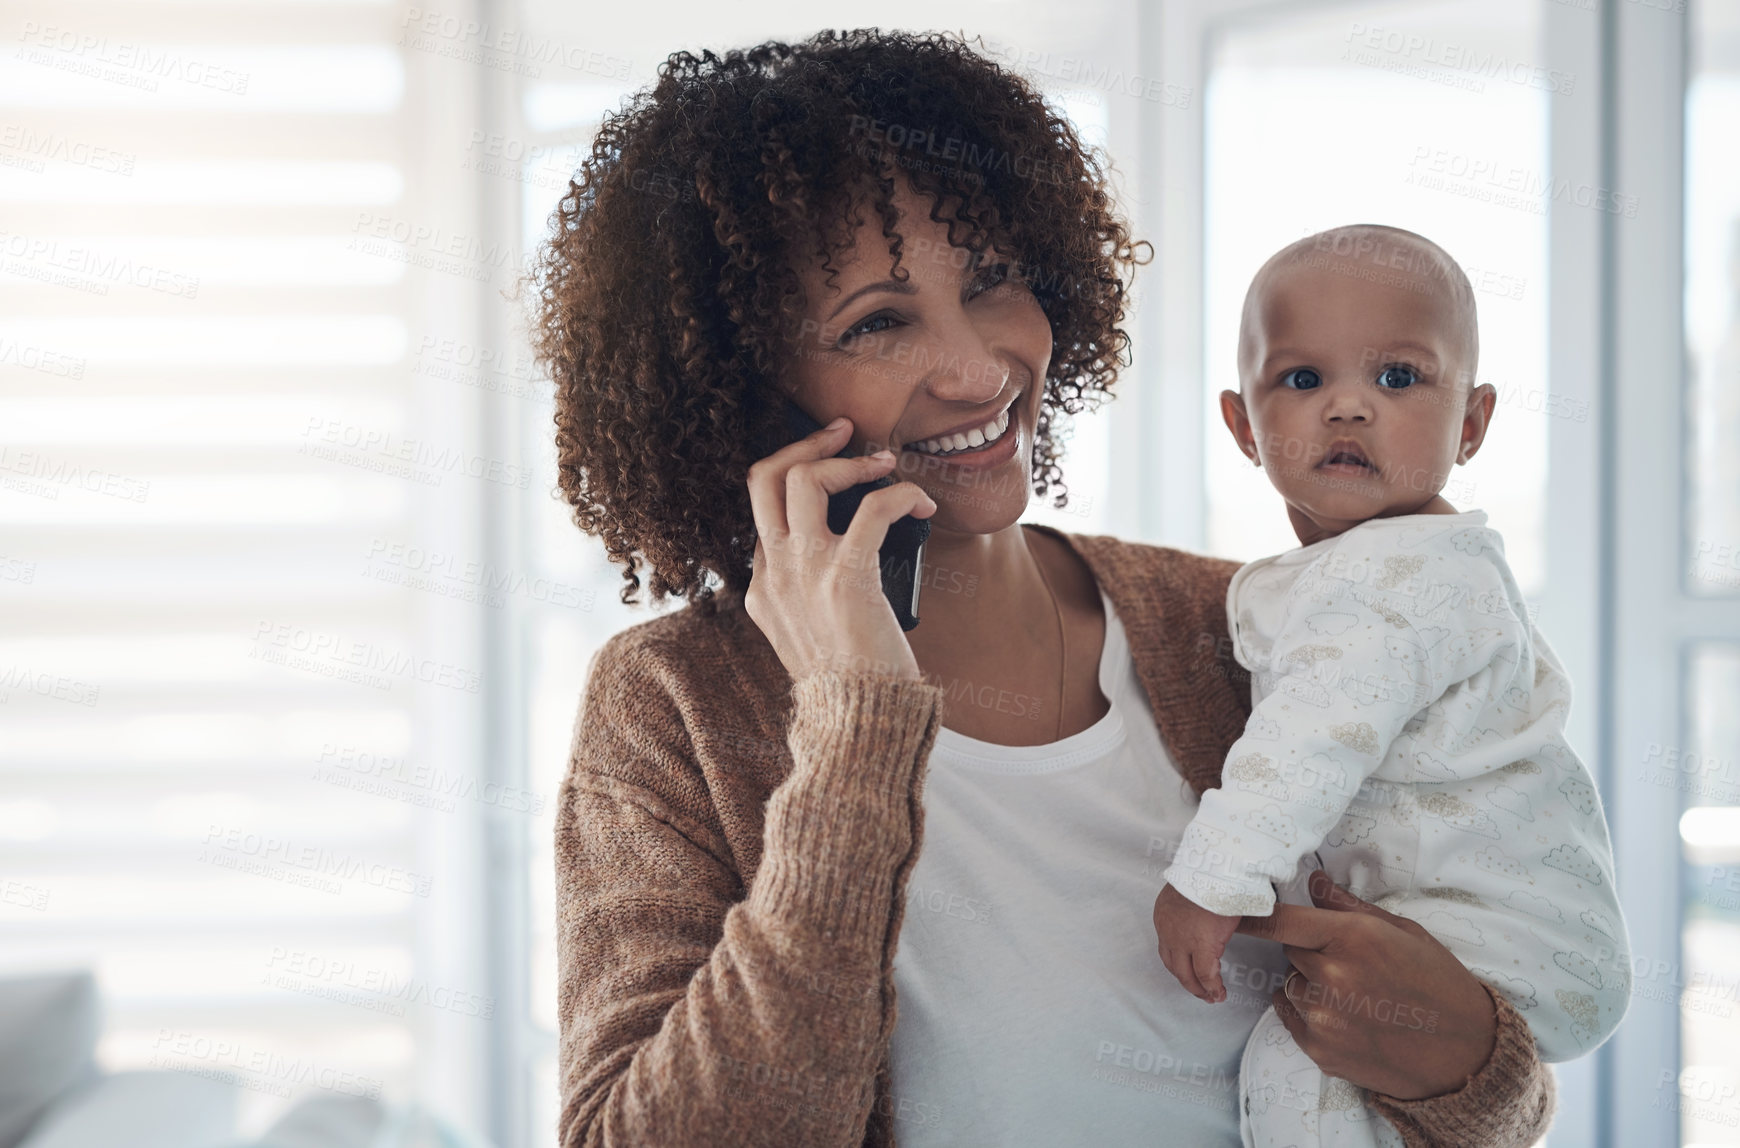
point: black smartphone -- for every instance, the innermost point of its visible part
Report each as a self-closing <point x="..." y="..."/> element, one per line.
<point x="902" y="551"/>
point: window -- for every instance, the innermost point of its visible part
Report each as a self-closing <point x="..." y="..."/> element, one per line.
<point x="1703" y="767"/>
<point x="1329" y="116"/>
<point x="242" y="692"/>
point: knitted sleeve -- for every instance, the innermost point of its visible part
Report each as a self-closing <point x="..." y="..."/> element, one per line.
<point x="1507" y="1104"/>
<point x="694" y="1011"/>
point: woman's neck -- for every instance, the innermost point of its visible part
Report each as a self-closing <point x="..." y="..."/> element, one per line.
<point x="996" y="641"/>
<point x="982" y="594"/>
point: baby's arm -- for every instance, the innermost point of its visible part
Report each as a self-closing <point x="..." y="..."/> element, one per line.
<point x="1347" y="677"/>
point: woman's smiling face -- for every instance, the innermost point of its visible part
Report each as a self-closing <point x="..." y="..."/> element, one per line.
<point x="957" y="345"/>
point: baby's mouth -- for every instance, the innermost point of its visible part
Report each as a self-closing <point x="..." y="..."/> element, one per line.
<point x="1347" y="458"/>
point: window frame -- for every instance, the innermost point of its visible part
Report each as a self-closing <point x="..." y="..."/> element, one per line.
<point x="1618" y="613"/>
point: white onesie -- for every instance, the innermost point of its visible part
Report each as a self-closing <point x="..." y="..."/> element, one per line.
<point x="1407" y="731"/>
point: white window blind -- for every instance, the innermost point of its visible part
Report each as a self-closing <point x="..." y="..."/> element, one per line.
<point x="242" y="592"/>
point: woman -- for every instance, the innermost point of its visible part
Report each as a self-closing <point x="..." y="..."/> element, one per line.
<point x="890" y="229"/>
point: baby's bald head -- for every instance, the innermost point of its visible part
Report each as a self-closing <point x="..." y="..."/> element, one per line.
<point x="1357" y="351"/>
<point x="1376" y="256"/>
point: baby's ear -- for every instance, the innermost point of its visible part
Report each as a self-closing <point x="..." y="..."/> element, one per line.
<point x="1476" y="418"/>
<point x="1232" y="411"/>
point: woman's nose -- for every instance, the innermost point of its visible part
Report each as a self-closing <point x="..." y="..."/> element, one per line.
<point x="966" y="367"/>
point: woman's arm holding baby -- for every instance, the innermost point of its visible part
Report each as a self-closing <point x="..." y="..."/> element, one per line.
<point x="1385" y="1006"/>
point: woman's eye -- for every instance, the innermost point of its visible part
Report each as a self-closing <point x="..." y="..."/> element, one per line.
<point x="1397" y="377"/>
<point x="1301" y="379"/>
<point x="992" y="276"/>
<point x="868" y="326"/>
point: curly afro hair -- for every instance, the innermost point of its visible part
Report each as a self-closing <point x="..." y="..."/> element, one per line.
<point x="668" y="288"/>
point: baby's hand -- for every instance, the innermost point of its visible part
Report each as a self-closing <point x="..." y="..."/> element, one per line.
<point x="1191" y="942"/>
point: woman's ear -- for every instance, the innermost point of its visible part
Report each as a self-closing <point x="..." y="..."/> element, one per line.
<point x="1232" y="410"/>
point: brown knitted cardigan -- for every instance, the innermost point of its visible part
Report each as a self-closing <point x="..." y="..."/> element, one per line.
<point x="732" y="851"/>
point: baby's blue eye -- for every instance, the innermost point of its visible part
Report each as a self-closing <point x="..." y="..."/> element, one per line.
<point x="1302" y="379"/>
<point x="1396" y="377"/>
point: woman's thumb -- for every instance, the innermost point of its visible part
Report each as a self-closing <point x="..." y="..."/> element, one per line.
<point x="1326" y="894"/>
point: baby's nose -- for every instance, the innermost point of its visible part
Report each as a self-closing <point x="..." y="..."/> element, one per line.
<point x="1349" y="405"/>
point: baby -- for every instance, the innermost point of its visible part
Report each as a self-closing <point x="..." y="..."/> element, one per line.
<point x="1407" y="722"/>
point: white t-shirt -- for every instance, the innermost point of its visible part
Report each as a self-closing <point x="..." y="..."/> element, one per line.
<point x="1033" y="1006"/>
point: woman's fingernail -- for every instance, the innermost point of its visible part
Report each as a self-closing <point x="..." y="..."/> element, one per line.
<point x="883" y="456"/>
<point x="836" y="424"/>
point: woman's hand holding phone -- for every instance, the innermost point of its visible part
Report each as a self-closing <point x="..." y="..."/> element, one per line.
<point x="818" y="595"/>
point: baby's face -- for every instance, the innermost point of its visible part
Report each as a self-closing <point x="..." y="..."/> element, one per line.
<point x="1354" y="391"/>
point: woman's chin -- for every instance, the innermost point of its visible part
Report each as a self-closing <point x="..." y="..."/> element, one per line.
<point x="978" y="501"/>
<point x="961" y="512"/>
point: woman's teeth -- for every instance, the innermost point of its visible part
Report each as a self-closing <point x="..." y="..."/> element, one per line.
<point x="968" y="440"/>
